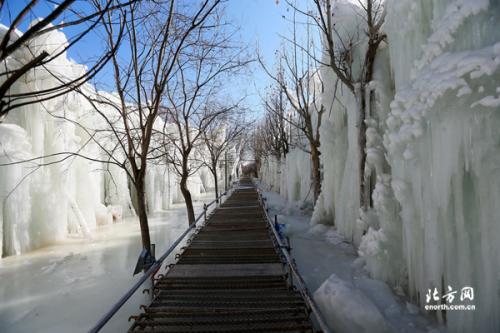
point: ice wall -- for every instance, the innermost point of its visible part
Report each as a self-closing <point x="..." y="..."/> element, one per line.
<point x="443" y="147"/>
<point x="14" y="237"/>
<point x="56" y="198"/>
<point x="338" y="203"/>
<point x="43" y="201"/>
<point x="433" y="149"/>
<point x="270" y="172"/>
<point x="290" y="177"/>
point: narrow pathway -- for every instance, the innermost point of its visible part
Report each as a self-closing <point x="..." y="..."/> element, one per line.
<point x="230" y="278"/>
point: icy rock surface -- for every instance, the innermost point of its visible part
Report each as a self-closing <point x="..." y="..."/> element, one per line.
<point x="432" y="150"/>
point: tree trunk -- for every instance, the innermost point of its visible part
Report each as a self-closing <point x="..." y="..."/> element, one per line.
<point x="225" y="170"/>
<point x="374" y="41"/>
<point x="142" y="211"/>
<point x="187" y="198"/>
<point x="315" y="171"/>
<point x="216" y="180"/>
<point x="363" y="200"/>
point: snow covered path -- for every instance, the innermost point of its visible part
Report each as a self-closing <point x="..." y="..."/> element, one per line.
<point x="66" y="287"/>
<point x="351" y="301"/>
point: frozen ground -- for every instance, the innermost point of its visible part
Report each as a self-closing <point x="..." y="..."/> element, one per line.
<point x="349" y="298"/>
<point x="66" y="287"/>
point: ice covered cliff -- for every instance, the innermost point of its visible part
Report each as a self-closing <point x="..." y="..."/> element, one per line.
<point x="41" y="202"/>
<point x="433" y="143"/>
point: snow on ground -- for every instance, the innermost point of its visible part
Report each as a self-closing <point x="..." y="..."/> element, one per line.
<point x="350" y="300"/>
<point x="66" y="287"/>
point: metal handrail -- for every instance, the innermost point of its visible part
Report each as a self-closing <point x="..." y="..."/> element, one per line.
<point x="151" y="271"/>
<point x="293" y="268"/>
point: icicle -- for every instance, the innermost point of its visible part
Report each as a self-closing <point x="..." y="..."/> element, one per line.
<point x="79" y="217"/>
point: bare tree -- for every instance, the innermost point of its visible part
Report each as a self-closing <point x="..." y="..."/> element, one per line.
<point x="190" y="122"/>
<point x="219" y="136"/>
<point x="256" y="144"/>
<point x="13" y="44"/>
<point x="158" y="35"/>
<point x="192" y="96"/>
<point x="275" y="130"/>
<point x="340" y="60"/>
<point x="302" y="85"/>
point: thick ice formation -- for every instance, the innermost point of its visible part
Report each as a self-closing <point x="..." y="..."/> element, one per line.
<point x="433" y="145"/>
<point x="354" y="312"/>
<point x="290" y="177"/>
<point x="40" y="205"/>
<point x="443" y="148"/>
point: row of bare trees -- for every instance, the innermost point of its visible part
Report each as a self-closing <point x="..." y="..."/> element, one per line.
<point x="274" y="131"/>
<point x="223" y="134"/>
<point x="351" y="59"/>
<point x="168" y="61"/>
<point x="294" y="101"/>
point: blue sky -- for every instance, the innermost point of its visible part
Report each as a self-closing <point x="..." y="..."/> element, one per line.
<point x="260" y="21"/>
